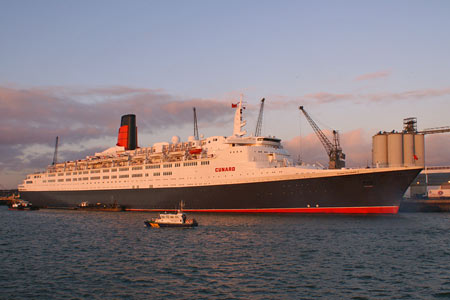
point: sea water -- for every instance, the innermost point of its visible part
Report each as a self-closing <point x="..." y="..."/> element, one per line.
<point x="64" y="254"/>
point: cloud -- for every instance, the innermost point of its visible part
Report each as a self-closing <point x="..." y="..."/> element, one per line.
<point x="375" y="75"/>
<point x="37" y="115"/>
<point x="284" y="102"/>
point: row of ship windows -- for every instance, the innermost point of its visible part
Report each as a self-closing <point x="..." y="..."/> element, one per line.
<point x="107" y="177"/>
<point x="186" y="164"/>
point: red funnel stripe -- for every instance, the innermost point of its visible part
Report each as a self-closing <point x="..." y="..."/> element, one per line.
<point x="122" y="139"/>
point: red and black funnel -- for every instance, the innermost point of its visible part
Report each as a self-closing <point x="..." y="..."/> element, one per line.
<point x="128" y="132"/>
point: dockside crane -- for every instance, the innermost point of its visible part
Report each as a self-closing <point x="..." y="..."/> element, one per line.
<point x="195" y="124"/>
<point x="260" y="117"/>
<point x="55" y="155"/>
<point x="334" y="150"/>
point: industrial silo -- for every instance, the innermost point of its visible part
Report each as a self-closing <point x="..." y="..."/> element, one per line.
<point x="408" y="150"/>
<point x="395" y="149"/>
<point x="379" y="150"/>
<point x="419" y="141"/>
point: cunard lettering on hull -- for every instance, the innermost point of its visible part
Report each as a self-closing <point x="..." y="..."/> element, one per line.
<point x="238" y="173"/>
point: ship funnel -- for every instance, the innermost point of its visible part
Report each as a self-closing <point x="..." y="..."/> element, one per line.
<point x="128" y="132"/>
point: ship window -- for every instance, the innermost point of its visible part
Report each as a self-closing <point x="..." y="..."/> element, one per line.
<point x="177" y="164"/>
<point x="153" y="167"/>
<point x="136" y="175"/>
<point x="114" y="176"/>
<point x="95" y="171"/>
<point x="105" y="177"/>
<point x="215" y="140"/>
<point x="51" y="175"/>
<point x="167" y="166"/>
<point x="68" y="173"/>
<point x="105" y="170"/>
<point x="51" y="180"/>
<point x="29" y="181"/>
<point x="113" y="170"/>
<point x="95" y="178"/>
<point x="60" y="174"/>
<point x="124" y="169"/>
<point x="60" y="180"/>
<point x="85" y="178"/>
<point x="136" y="168"/>
<point x="124" y="176"/>
<point x="167" y="173"/>
<point x="68" y="179"/>
<point x="85" y="172"/>
<point x="157" y="174"/>
<point x="74" y="179"/>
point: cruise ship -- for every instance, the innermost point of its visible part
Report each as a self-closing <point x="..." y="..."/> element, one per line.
<point x="234" y="174"/>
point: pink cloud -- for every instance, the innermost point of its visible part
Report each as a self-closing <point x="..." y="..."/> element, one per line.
<point x="375" y="75"/>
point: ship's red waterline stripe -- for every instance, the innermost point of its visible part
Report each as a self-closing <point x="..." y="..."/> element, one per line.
<point x="311" y="210"/>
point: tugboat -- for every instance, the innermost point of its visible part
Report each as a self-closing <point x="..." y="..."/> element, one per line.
<point x="22" y="205"/>
<point x="172" y="219"/>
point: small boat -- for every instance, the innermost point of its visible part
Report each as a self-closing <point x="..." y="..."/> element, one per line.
<point x="100" y="207"/>
<point x="172" y="219"/>
<point x="22" y="205"/>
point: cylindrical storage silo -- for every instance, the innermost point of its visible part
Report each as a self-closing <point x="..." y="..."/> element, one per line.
<point x="379" y="151"/>
<point x="395" y="149"/>
<point x="419" y="142"/>
<point x="408" y="150"/>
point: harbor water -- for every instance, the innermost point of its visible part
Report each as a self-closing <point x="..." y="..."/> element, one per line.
<point x="64" y="254"/>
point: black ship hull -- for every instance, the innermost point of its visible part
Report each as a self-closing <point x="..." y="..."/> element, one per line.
<point x="374" y="192"/>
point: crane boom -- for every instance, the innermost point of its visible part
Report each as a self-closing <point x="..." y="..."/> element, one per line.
<point x="195" y="124"/>
<point x="334" y="151"/>
<point x="260" y="117"/>
<point x="55" y="155"/>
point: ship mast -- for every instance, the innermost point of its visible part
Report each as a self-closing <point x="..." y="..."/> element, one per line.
<point x="238" y="120"/>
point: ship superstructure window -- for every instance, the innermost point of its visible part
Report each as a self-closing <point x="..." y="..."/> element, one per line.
<point x="95" y="171"/>
<point x="136" y="168"/>
<point x="124" y="169"/>
<point x="157" y="174"/>
<point x="177" y="165"/>
<point x="68" y="179"/>
<point x="167" y="166"/>
<point x="60" y="174"/>
<point x="153" y="167"/>
<point x="74" y="179"/>
<point x="113" y="170"/>
<point x="105" y="177"/>
<point x="51" y="175"/>
<point x="114" y="177"/>
<point x="85" y="178"/>
<point x="205" y="163"/>
<point x="68" y="173"/>
<point x="167" y="173"/>
<point x="189" y="164"/>
<point x="60" y="180"/>
<point x="29" y="181"/>
<point x="124" y="176"/>
<point x="85" y="172"/>
<point x="137" y="175"/>
<point x="105" y="170"/>
<point x="95" y="178"/>
<point x="51" y="180"/>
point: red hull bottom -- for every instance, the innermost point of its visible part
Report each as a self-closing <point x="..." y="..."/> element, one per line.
<point x="312" y="210"/>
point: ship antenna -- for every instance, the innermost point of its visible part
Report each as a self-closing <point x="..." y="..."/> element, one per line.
<point x="55" y="155"/>
<point x="195" y="124"/>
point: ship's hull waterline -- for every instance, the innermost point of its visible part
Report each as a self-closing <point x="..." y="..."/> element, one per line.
<point x="373" y="192"/>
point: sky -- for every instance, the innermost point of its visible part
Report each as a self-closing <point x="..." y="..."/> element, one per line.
<point x="73" y="68"/>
